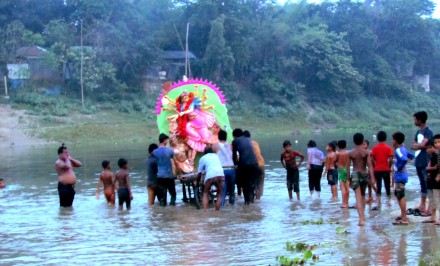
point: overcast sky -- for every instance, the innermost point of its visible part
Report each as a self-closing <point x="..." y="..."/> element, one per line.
<point x="435" y="15"/>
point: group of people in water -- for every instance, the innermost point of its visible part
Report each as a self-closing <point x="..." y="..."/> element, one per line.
<point x="240" y="165"/>
<point x="362" y="168"/>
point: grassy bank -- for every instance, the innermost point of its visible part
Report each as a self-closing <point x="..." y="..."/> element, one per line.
<point x="100" y="124"/>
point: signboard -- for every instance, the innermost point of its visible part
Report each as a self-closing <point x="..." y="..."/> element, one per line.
<point x="18" y="71"/>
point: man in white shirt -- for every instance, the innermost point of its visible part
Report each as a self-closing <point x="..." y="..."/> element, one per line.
<point x="214" y="176"/>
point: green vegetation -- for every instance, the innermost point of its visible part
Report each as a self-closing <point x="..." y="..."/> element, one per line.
<point x="299" y="247"/>
<point x="341" y="230"/>
<point x="318" y="221"/>
<point x="430" y="260"/>
<point x="335" y="65"/>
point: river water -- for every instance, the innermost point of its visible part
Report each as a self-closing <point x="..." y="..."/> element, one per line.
<point x="34" y="230"/>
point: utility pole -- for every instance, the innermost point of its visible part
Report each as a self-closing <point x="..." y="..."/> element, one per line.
<point x="82" y="62"/>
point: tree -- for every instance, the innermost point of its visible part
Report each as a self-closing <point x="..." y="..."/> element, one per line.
<point x="218" y="56"/>
<point x="14" y="36"/>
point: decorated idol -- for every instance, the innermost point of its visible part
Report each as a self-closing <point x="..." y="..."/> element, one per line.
<point x="191" y="112"/>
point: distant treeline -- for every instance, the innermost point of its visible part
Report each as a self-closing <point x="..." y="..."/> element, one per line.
<point x="279" y="54"/>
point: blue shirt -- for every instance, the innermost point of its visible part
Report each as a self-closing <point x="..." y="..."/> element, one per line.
<point x="163" y="156"/>
<point x="401" y="156"/>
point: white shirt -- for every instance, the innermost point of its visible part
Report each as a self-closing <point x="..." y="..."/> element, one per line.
<point x="211" y="164"/>
<point x="316" y="156"/>
<point x="225" y="154"/>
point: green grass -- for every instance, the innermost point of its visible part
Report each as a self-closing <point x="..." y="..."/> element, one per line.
<point x="107" y="125"/>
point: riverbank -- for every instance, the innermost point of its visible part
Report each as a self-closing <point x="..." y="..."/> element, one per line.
<point x="15" y="129"/>
<point x="107" y="126"/>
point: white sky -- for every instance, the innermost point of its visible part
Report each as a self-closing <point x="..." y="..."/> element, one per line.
<point x="436" y="13"/>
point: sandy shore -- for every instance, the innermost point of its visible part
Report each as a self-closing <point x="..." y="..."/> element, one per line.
<point x="14" y="128"/>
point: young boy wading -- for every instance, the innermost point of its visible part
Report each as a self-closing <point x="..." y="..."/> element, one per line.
<point x="400" y="175"/>
<point x="360" y="158"/>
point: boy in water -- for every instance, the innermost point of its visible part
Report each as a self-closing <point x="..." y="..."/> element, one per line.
<point x="108" y="179"/>
<point x="382" y="159"/>
<point x="330" y="161"/>
<point x="360" y="158"/>
<point x="288" y="160"/>
<point x="342" y="160"/>
<point x="371" y="186"/>
<point x="123" y="180"/>
<point x="151" y="163"/>
<point x="433" y="186"/>
<point x="2" y="183"/>
<point x="400" y="175"/>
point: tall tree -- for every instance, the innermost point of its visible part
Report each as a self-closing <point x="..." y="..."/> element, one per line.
<point x="218" y="56"/>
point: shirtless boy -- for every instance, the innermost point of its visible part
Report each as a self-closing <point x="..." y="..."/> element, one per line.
<point x="123" y="180"/>
<point x="342" y="161"/>
<point x="66" y="177"/>
<point x="108" y="179"/>
<point x="371" y="186"/>
<point x="330" y="161"/>
<point x="360" y="158"/>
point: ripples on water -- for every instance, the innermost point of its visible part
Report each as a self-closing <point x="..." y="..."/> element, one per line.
<point x="35" y="231"/>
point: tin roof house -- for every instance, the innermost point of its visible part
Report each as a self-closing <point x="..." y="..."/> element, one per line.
<point x="31" y="64"/>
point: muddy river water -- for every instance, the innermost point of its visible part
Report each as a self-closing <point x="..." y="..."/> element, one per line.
<point x="34" y="230"/>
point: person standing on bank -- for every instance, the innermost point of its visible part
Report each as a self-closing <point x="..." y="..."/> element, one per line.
<point x="66" y="177"/>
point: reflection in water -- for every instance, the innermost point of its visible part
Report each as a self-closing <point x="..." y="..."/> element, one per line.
<point x="401" y="250"/>
<point x="36" y="231"/>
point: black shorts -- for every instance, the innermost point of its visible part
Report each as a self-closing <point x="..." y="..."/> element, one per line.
<point x="66" y="192"/>
<point x="292" y="179"/>
<point x="332" y="177"/>
<point x="124" y="196"/>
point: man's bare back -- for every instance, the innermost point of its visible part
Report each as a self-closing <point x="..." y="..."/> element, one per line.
<point x="108" y="179"/>
<point x="330" y="160"/>
<point x="360" y="158"/>
<point x="342" y="159"/>
<point x="122" y="178"/>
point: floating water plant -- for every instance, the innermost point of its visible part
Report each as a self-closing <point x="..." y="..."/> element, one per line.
<point x="299" y="247"/>
<point x="307" y="255"/>
<point x="316" y="222"/>
<point x="341" y="230"/>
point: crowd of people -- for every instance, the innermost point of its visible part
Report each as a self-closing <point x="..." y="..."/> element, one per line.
<point x="240" y="165"/>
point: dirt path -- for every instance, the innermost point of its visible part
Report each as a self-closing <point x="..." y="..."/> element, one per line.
<point x="13" y="127"/>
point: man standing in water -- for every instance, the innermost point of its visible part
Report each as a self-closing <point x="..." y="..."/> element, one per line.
<point x="66" y="177"/>
<point x="359" y="178"/>
<point x="243" y="155"/>
<point x="259" y="183"/>
<point x="165" y="175"/>
<point x="423" y="135"/>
